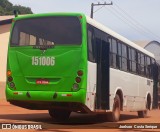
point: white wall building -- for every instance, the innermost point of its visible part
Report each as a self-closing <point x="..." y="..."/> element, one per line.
<point x="5" y="24"/>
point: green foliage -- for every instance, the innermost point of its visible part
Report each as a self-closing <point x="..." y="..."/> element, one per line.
<point x="7" y="8"/>
<point x="22" y="9"/>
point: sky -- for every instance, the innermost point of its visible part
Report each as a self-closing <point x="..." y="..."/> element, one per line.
<point x="133" y="19"/>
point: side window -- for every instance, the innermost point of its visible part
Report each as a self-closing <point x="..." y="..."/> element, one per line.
<point x="139" y="63"/>
<point x="142" y="66"/>
<point x="145" y="65"/>
<point x="91" y="55"/>
<point x="99" y="37"/>
<point x="110" y="41"/>
<point x="152" y="66"/>
<point x="119" y="61"/>
<point x="129" y="59"/>
<point x="148" y="67"/>
<point x="124" y="57"/>
<point x="119" y="49"/>
<point x="133" y="59"/>
<point x="124" y="50"/>
<point x="110" y="51"/>
<point x="155" y="70"/>
<point x="114" y="46"/>
<point x="113" y="53"/>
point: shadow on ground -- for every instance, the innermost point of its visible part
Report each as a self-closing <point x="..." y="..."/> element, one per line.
<point x="75" y="121"/>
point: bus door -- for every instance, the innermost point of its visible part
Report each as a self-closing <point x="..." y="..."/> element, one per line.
<point x="102" y="92"/>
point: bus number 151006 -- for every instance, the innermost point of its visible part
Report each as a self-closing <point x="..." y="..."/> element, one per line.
<point x="43" y="61"/>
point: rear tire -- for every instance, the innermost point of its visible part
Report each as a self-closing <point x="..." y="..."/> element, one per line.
<point x="59" y="114"/>
<point x="143" y="114"/>
<point x="115" y="114"/>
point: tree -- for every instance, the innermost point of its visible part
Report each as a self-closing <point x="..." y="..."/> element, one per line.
<point x="7" y="8"/>
<point x="22" y="9"/>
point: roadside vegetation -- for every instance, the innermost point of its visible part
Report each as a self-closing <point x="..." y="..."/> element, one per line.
<point x="7" y="8"/>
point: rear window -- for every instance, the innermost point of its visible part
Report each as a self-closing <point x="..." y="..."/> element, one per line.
<point x="47" y="31"/>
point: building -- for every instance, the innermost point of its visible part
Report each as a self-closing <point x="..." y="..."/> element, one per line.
<point x="142" y="43"/>
<point x="154" y="47"/>
<point x="5" y="24"/>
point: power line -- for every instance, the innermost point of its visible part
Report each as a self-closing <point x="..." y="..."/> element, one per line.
<point x="129" y="24"/>
<point x="98" y="9"/>
<point x="138" y="23"/>
<point x="124" y="20"/>
<point x="99" y="4"/>
<point x="132" y="23"/>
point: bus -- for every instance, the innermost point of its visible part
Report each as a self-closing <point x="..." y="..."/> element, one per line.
<point x="68" y="62"/>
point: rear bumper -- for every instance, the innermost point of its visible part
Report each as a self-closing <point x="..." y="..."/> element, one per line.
<point x="46" y="105"/>
<point x="44" y="99"/>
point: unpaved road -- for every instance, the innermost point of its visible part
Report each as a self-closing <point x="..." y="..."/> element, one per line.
<point x="77" y="122"/>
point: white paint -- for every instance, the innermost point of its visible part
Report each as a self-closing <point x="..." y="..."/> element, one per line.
<point x="20" y="93"/>
<point x="4" y="38"/>
<point x="133" y="87"/>
<point x="91" y="85"/>
<point x="43" y="61"/>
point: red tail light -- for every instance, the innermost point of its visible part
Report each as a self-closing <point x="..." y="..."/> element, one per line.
<point x="80" y="17"/>
<point x="9" y="73"/>
<point x="78" y="79"/>
<point x="80" y="73"/>
<point x="10" y="79"/>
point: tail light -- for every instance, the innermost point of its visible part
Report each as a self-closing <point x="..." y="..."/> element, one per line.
<point x="10" y="79"/>
<point x="80" y="73"/>
<point x="75" y="86"/>
<point x="12" y="85"/>
<point x="80" y="17"/>
<point x="9" y="73"/>
<point x="78" y="79"/>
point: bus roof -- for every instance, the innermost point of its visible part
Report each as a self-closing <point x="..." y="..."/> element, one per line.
<point x="47" y="15"/>
<point x="116" y="35"/>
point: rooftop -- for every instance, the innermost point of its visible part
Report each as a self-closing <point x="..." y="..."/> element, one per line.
<point x="6" y="17"/>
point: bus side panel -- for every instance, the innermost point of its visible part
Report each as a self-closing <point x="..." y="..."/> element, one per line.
<point x="91" y="85"/>
<point x="145" y="87"/>
<point x="128" y="83"/>
<point x="135" y="89"/>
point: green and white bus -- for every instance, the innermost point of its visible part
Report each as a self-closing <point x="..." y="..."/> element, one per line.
<point x="68" y="62"/>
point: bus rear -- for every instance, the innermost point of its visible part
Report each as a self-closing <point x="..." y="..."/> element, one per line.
<point x="47" y="62"/>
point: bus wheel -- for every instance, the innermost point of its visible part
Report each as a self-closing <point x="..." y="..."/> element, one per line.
<point x="59" y="114"/>
<point x="143" y="114"/>
<point x="115" y="114"/>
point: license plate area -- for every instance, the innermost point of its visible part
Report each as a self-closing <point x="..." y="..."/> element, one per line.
<point x="42" y="81"/>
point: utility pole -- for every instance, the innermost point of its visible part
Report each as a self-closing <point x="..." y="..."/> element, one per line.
<point x="92" y="6"/>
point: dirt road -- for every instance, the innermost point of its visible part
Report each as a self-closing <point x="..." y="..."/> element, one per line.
<point x="10" y="114"/>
